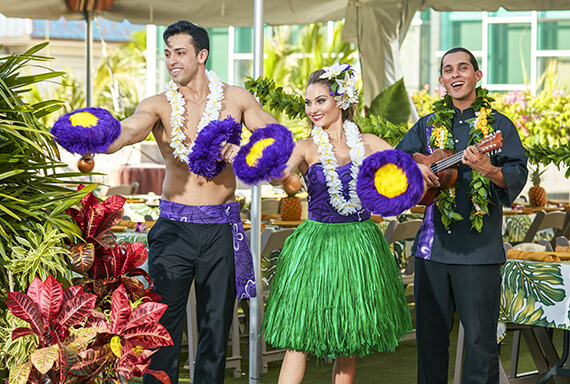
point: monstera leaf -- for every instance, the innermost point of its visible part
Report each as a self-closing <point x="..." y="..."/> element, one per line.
<point x="543" y="281"/>
<point x="392" y="104"/>
<point x="527" y="289"/>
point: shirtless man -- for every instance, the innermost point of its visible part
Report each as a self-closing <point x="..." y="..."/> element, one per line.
<point x="199" y="224"/>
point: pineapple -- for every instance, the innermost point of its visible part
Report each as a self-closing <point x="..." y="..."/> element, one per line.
<point x="536" y="194"/>
<point x="291" y="208"/>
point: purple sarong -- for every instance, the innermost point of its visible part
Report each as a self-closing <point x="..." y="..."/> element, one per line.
<point x="220" y="214"/>
<point x="427" y="230"/>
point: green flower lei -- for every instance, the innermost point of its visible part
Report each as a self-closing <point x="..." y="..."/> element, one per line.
<point x="441" y="137"/>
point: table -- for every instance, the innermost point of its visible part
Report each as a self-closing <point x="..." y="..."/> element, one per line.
<point x="149" y="176"/>
<point x="138" y="211"/>
<point x="538" y="294"/>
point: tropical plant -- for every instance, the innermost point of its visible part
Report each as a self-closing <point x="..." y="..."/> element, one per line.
<point x="51" y="313"/>
<point x="392" y="104"/>
<point x="33" y="196"/>
<point x="316" y="52"/>
<point x="104" y="264"/>
<point x="118" y="82"/>
<point x="78" y="345"/>
<point x="40" y="253"/>
<point x="274" y="98"/>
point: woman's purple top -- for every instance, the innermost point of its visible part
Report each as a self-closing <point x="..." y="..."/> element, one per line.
<point x="320" y="208"/>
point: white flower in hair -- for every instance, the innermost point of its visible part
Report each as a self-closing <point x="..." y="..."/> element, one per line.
<point x="346" y="85"/>
<point x="334" y="70"/>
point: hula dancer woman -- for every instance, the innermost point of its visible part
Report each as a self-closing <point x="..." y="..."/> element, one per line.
<point x="337" y="291"/>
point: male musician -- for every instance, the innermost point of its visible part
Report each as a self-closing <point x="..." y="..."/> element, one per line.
<point x="459" y="248"/>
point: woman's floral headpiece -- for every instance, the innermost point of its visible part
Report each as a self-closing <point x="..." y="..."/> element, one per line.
<point x="343" y="89"/>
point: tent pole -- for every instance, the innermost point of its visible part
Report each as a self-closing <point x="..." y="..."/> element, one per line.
<point x="256" y="304"/>
<point x="89" y="58"/>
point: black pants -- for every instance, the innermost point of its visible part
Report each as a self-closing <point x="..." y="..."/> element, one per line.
<point x="474" y="291"/>
<point x="181" y="252"/>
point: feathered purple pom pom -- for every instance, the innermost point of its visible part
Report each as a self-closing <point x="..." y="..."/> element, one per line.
<point x="86" y="130"/>
<point x="206" y="156"/>
<point x="273" y="159"/>
<point x="406" y="176"/>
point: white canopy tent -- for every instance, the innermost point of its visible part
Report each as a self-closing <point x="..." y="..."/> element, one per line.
<point x="378" y="27"/>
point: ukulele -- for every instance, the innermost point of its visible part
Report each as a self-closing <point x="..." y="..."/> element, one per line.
<point x="444" y="163"/>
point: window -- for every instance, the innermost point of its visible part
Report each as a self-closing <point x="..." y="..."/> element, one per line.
<point x="509" y="53"/>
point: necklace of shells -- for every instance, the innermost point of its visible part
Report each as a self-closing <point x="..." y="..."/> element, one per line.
<point x="330" y="165"/>
<point x="177" y="103"/>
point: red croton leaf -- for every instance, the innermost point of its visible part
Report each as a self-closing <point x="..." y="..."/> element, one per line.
<point x="120" y="310"/>
<point x="72" y="291"/>
<point x="134" y="287"/>
<point x="23" y="307"/>
<point x="82" y="257"/>
<point x="102" y="268"/>
<point x="114" y="211"/>
<point x="135" y="256"/>
<point x="21" y="331"/>
<point x="160" y="375"/>
<point x="76" y="310"/>
<point x="151" y="335"/>
<point x="48" y="296"/>
<point x="146" y="313"/>
<point x="91" y="362"/>
<point x="67" y="357"/>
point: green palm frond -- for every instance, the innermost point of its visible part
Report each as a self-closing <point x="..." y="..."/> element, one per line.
<point x="32" y="191"/>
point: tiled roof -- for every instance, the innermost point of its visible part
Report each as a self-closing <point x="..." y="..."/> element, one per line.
<point x="67" y="29"/>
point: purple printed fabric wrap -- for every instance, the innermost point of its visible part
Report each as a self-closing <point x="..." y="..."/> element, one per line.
<point x="427" y="230"/>
<point x="425" y="238"/>
<point x="220" y="214"/>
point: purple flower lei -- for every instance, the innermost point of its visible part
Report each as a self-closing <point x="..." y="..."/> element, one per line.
<point x="274" y="159"/>
<point x="380" y="204"/>
<point x="86" y="139"/>
<point x="206" y="156"/>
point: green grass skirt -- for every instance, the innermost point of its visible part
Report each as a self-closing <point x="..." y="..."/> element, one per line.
<point x="337" y="291"/>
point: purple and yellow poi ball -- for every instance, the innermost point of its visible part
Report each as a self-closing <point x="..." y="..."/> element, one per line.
<point x="86" y="130"/>
<point x="206" y="157"/>
<point x="265" y="155"/>
<point x="389" y="182"/>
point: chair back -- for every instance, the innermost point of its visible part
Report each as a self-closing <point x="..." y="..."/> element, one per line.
<point x="566" y="231"/>
<point x="270" y="206"/>
<point x="405" y="230"/>
<point x="122" y="189"/>
<point x="562" y="241"/>
<point x="265" y="235"/>
<point x="277" y="239"/>
<point x="546" y="220"/>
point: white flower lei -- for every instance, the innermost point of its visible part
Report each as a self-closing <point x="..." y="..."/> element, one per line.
<point x="211" y="112"/>
<point x="329" y="164"/>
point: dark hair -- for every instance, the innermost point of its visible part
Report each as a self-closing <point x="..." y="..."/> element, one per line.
<point x="200" y="39"/>
<point x="315" y="77"/>
<point x="472" y="58"/>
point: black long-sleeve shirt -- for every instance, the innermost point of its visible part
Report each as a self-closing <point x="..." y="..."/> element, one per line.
<point x="461" y="244"/>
